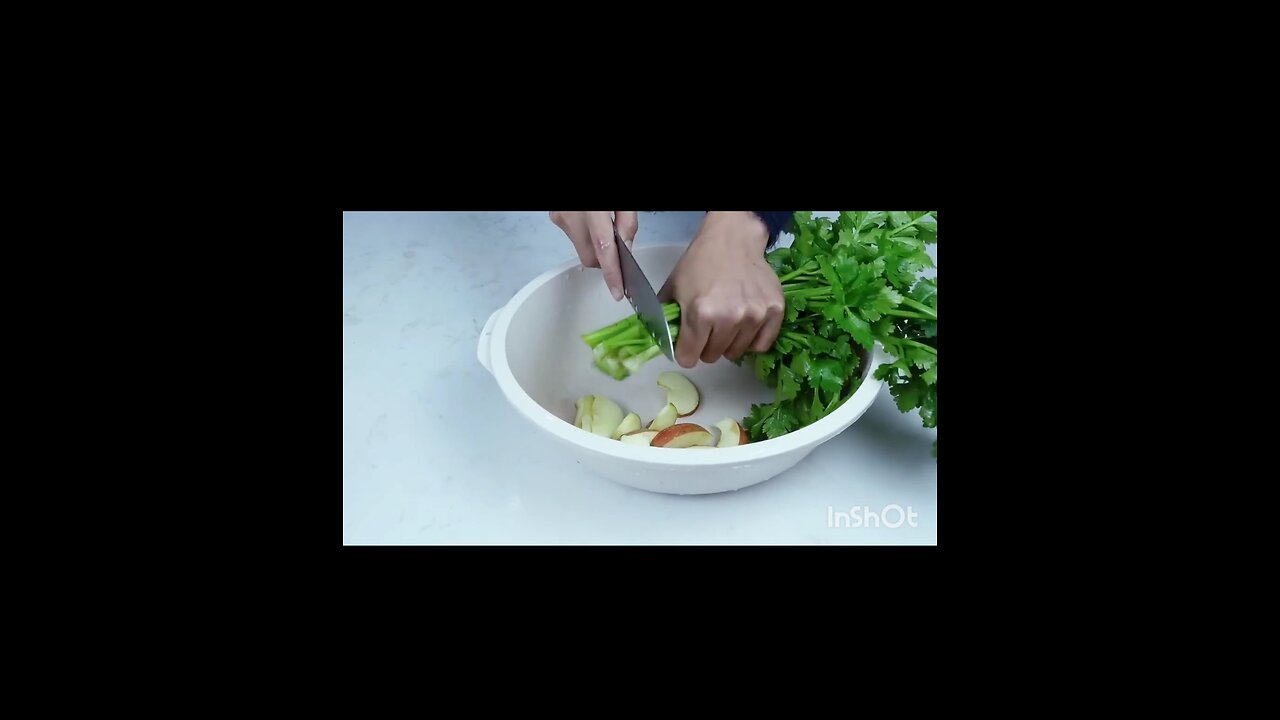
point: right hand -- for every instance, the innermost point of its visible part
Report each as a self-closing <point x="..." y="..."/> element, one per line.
<point x="592" y="236"/>
<point x="730" y="300"/>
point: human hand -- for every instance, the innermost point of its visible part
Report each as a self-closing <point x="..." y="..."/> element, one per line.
<point x="730" y="299"/>
<point x="592" y="236"/>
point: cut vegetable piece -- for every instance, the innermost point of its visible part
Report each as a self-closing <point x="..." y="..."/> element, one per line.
<point x="642" y="438"/>
<point x="665" y="419"/>
<point x="624" y="346"/>
<point x="630" y="423"/>
<point x="731" y="433"/>
<point x="680" y="392"/>
<point x="606" y="416"/>
<point x="682" y="435"/>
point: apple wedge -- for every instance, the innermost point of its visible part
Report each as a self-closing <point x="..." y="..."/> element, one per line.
<point x="731" y="433"/>
<point x="584" y="413"/>
<point x="639" y="437"/>
<point x="630" y="423"/>
<point x="665" y="419"/>
<point x="600" y="415"/>
<point x="680" y="392"/>
<point x="606" y="416"/>
<point x="682" y="435"/>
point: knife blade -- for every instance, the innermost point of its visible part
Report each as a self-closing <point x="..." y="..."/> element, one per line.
<point x="636" y="287"/>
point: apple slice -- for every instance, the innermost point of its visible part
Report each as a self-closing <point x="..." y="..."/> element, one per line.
<point x="680" y="392"/>
<point x="731" y="433"/>
<point x="639" y="437"/>
<point x="666" y="418"/>
<point x="682" y="435"/>
<point x="583" y="420"/>
<point x="605" y="416"/>
<point x="630" y="423"/>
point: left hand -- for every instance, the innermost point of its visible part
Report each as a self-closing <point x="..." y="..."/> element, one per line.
<point x="730" y="299"/>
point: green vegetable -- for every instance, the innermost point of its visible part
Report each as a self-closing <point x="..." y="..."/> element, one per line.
<point x="624" y="346"/>
<point x="848" y="284"/>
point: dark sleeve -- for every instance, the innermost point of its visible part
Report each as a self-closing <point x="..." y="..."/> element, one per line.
<point x="777" y="222"/>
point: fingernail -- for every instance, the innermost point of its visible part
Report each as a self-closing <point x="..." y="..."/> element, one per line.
<point x="616" y="294"/>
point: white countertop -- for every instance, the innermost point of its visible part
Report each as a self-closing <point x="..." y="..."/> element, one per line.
<point x="422" y="419"/>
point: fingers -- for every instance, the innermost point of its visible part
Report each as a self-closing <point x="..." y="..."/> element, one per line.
<point x="694" y="331"/>
<point x="592" y="235"/>
<point x="600" y="228"/>
<point x="709" y="333"/>
<point x="722" y="334"/>
<point x="752" y="322"/>
<point x="574" y="225"/>
<point x="769" y="331"/>
<point x="627" y="224"/>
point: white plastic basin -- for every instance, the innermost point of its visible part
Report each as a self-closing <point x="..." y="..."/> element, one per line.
<point x="534" y="350"/>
